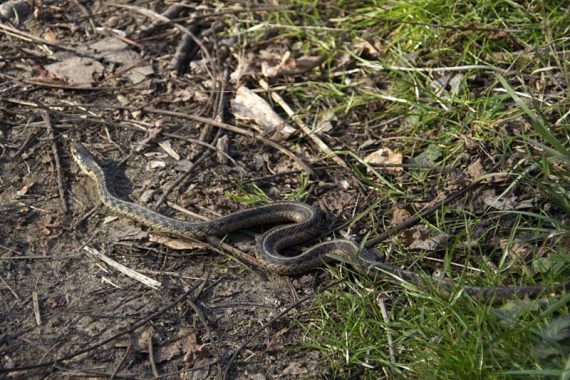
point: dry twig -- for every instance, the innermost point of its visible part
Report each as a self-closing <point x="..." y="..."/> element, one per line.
<point x="49" y="126"/>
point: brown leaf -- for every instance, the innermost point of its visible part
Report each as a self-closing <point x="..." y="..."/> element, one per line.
<point x="431" y="243"/>
<point x="290" y="66"/>
<point x="366" y="49"/>
<point x="518" y="250"/>
<point x="185" y="344"/>
<point x="398" y="216"/>
<point x="249" y="106"/>
<point x="475" y="169"/>
<point x="503" y="203"/>
<point x="73" y="70"/>
<point x="173" y="243"/>
<point x="386" y="156"/>
<point x="420" y="237"/>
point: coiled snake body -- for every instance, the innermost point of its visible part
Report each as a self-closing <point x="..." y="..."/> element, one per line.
<point x="305" y="223"/>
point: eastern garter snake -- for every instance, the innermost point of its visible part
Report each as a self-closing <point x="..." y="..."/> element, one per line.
<point x="305" y="223"/>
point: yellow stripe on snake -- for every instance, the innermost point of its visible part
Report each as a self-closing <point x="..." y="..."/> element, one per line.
<point x="304" y="223"/>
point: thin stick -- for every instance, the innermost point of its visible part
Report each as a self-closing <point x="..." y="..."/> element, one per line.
<point x="18" y="299"/>
<point x="49" y="126"/>
<point x="145" y="280"/>
<point x="210" y="333"/>
<point x="386" y="319"/>
<point x="151" y="357"/>
<point x="36" y="304"/>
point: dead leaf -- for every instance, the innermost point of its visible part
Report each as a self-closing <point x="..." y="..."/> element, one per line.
<point x="81" y="71"/>
<point x="324" y="124"/>
<point x="245" y="67"/>
<point x="399" y="215"/>
<point x="203" y="370"/>
<point x="222" y="144"/>
<point x="50" y="36"/>
<point x="174" y="243"/>
<point x="490" y="199"/>
<point x="110" y="219"/>
<point x="420" y="237"/>
<point x="114" y="50"/>
<point x="24" y="190"/>
<point x="517" y="250"/>
<point x="155" y="164"/>
<point x="138" y="338"/>
<point x="386" y="156"/>
<point x="290" y="66"/>
<point x="46" y="224"/>
<point x="431" y="243"/>
<point x="41" y="74"/>
<point x="146" y="196"/>
<point x="475" y="169"/>
<point x="447" y="84"/>
<point x="295" y="369"/>
<point x="186" y="344"/>
<point x="126" y="231"/>
<point x="364" y="48"/>
<point x="184" y="166"/>
<point x="152" y="133"/>
<point x="249" y="106"/>
<point x="429" y="156"/>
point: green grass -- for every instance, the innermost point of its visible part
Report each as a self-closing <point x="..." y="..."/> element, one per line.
<point x="510" y="111"/>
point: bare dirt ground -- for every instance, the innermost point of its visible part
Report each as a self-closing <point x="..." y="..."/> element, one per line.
<point x="173" y="111"/>
<point x="56" y="300"/>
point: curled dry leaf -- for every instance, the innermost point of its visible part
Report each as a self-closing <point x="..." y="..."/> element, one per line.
<point x="420" y="237"/>
<point x="290" y="66"/>
<point x="387" y="157"/>
<point x="125" y="231"/>
<point x="110" y="219"/>
<point x="362" y="47"/>
<point x="24" y="190"/>
<point x="138" y="339"/>
<point x="174" y="243"/>
<point x="84" y="70"/>
<point x="249" y="106"/>
<point x="222" y="144"/>
<point x="432" y="243"/>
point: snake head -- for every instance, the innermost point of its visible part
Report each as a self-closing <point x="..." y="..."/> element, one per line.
<point x="84" y="159"/>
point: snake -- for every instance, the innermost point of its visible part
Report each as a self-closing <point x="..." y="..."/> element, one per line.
<point x="297" y="223"/>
